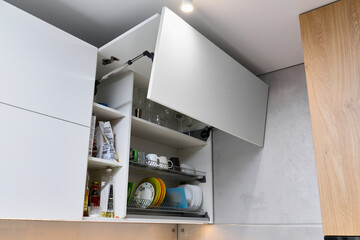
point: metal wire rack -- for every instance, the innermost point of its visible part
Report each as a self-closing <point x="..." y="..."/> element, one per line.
<point x="142" y="206"/>
<point x="187" y="173"/>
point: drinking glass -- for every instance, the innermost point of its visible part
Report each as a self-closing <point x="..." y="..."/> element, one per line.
<point x="158" y="119"/>
<point x="167" y="114"/>
<point x="189" y="123"/>
<point x="149" y="109"/>
<point x="180" y="118"/>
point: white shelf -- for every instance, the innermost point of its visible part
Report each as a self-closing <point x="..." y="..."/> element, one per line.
<point x="156" y="133"/>
<point x="149" y="219"/>
<point x="104" y="113"/>
<point x="98" y="163"/>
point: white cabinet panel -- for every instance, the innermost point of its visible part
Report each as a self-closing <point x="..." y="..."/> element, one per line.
<point x="193" y="76"/>
<point x="45" y="69"/>
<point x="42" y="166"/>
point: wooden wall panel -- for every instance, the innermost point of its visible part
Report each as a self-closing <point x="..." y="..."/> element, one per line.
<point x="68" y="230"/>
<point x="331" y="45"/>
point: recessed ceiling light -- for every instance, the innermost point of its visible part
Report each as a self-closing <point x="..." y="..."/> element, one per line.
<point x="187" y="6"/>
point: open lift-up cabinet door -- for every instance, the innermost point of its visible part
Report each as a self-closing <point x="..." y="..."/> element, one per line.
<point x="193" y="76"/>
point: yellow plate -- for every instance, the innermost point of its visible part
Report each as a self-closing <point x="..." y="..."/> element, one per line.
<point x="157" y="203"/>
<point x="157" y="187"/>
<point x="163" y="192"/>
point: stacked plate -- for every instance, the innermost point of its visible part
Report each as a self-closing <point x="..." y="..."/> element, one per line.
<point x="150" y="192"/>
<point x="144" y="195"/>
<point x="193" y="196"/>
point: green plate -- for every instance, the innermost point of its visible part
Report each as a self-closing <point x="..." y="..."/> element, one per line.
<point x="131" y="186"/>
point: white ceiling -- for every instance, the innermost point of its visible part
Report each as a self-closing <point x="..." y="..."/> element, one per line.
<point x="262" y="35"/>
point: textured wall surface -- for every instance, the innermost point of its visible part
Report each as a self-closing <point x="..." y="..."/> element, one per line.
<point x="270" y="192"/>
<point x="41" y="230"/>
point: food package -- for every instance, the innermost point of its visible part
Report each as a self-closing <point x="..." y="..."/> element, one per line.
<point x="104" y="138"/>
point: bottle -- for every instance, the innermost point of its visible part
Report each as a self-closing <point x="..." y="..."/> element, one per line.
<point x="94" y="209"/>
<point x="106" y="195"/>
<point x="110" y="208"/>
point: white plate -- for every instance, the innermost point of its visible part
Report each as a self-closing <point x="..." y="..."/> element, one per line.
<point x="200" y="197"/>
<point x="144" y="195"/>
<point x="196" y="194"/>
<point x="190" y="198"/>
<point x="193" y="196"/>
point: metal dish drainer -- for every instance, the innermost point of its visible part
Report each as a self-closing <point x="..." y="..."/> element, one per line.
<point x="137" y="206"/>
<point x="162" y="168"/>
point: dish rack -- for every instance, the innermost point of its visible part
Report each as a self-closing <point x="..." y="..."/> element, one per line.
<point x="165" y="208"/>
<point x="175" y="171"/>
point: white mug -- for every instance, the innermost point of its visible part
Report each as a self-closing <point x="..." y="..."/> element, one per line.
<point x="153" y="160"/>
<point x="165" y="163"/>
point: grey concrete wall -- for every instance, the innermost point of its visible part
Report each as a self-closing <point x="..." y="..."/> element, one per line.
<point x="250" y="232"/>
<point x="269" y="192"/>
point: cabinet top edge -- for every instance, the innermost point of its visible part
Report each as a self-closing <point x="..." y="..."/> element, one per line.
<point x="155" y="16"/>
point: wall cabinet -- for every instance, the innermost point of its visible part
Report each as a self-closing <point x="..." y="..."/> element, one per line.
<point x="45" y="70"/>
<point x="42" y="166"/>
<point x="46" y="99"/>
<point x="192" y="75"/>
<point x="330" y="37"/>
<point x="189" y="74"/>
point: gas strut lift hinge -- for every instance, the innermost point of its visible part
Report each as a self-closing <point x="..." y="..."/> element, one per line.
<point x="120" y="68"/>
<point x="107" y="61"/>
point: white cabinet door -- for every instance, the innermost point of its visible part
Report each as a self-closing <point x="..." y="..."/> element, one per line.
<point x="193" y="76"/>
<point x="45" y="69"/>
<point x="43" y="164"/>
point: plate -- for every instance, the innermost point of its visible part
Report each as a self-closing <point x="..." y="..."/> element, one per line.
<point x="190" y="195"/>
<point x="157" y="188"/>
<point x="163" y="192"/>
<point x="131" y="186"/>
<point x="159" y="191"/>
<point x="176" y="198"/>
<point x="198" y="192"/>
<point x="193" y="196"/>
<point x="144" y="195"/>
<point x="195" y="191"/>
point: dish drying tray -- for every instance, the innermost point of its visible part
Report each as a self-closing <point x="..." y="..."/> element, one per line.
<point x="152" y="167"/>
<point x="165" y="209"/>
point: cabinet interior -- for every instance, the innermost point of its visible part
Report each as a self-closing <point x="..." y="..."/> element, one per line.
<point x="138" y="133"/>
<point x="189" y="150"/>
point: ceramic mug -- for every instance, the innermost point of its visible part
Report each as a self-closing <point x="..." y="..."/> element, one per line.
<point x="170" y="164"/>
<point x="165" y="163"/>
<point x="153" y="160"/>
<point x="176" y="163"/>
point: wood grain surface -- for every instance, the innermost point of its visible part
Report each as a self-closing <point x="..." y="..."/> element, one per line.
<point x="331" y="46"/>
